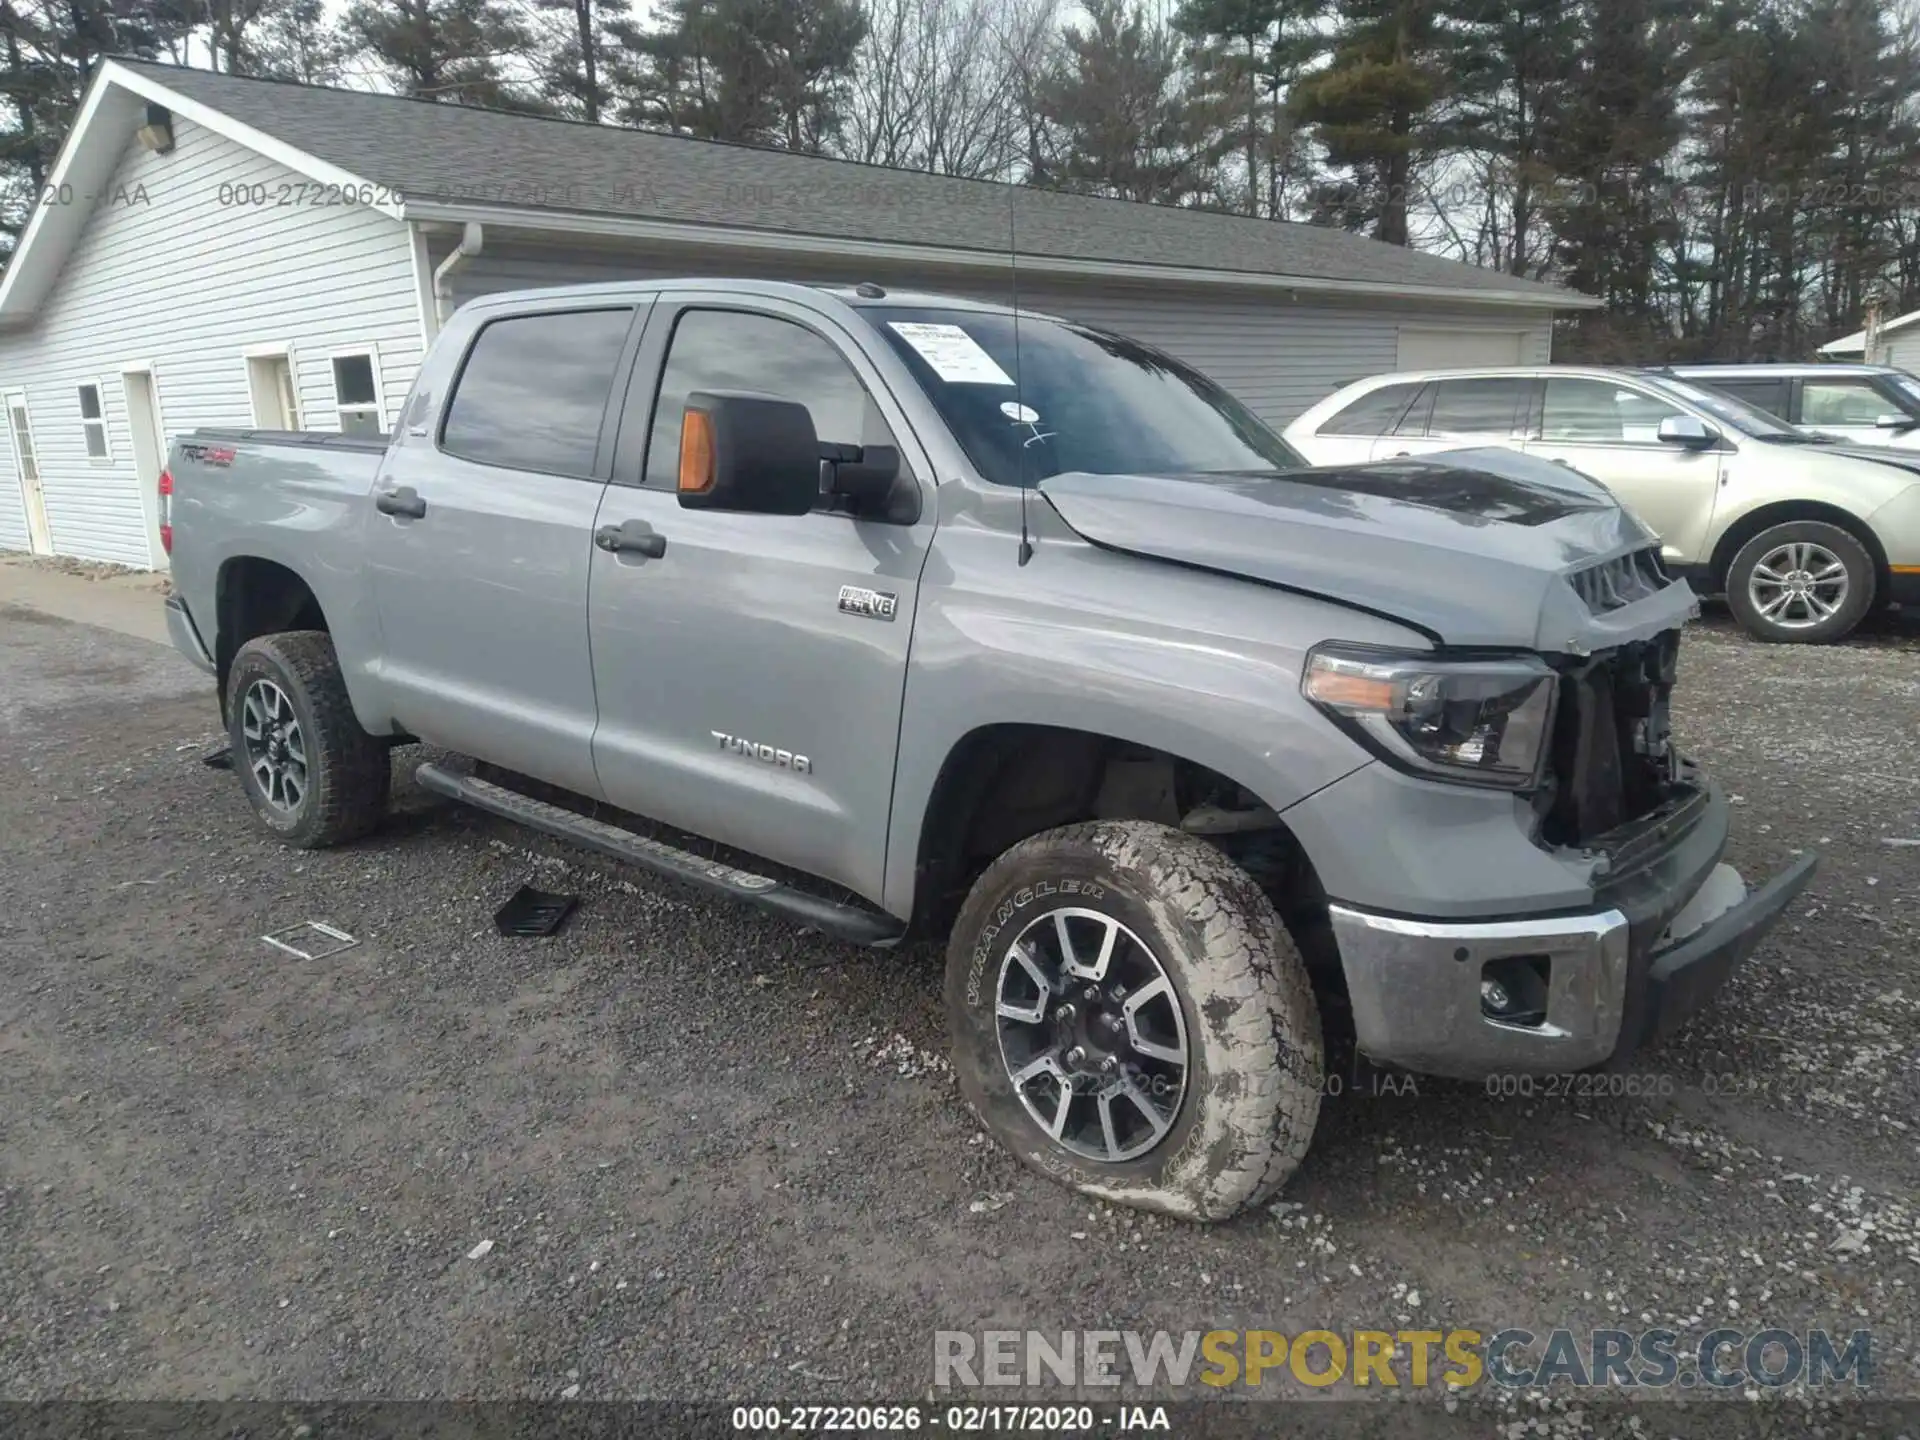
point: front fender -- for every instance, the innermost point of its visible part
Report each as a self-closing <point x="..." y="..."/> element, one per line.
<point x="1202" y="666"/>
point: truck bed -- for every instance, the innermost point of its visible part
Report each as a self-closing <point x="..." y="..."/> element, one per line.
<point x="305" y="439"/>
<point x="296" y="499"/>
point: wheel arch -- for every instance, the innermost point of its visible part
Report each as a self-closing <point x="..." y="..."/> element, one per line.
<point x="255" y="596"/>
<point x="1005" y="782"/>
<point x="1784" y="512"/>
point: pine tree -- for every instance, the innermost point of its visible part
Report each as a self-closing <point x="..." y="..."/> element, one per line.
<point x="444" y="49"/>
<point x="581" y="68"/>
<point x="771" y="72"/>
<point x="1248" y="54"/>
<point x="1511" y="61"/>
<point x="1375" y="110"/>
<point x="1120" y="123"/>
<point x="1612" y="145"/>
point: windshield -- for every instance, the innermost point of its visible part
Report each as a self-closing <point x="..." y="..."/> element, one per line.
<point x="1747" y="419"/>
<point x="1085" y="400"/>
<point x="1910" y="388"/>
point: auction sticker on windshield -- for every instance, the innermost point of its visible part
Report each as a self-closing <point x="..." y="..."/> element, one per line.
<point x="955" y="356"/>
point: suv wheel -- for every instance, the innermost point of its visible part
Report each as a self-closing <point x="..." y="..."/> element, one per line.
<point x="312" y="775"/>
<point x="1805" y="582"/>
<point x="1132" y="1020"/>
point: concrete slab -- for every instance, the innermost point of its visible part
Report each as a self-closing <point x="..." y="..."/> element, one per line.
<point x="126" y="601"/>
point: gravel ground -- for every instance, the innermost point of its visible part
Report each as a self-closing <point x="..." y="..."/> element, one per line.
<point x="684" y="1151"/>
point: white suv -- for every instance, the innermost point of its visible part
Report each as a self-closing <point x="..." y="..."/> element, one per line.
<point x="1803" y="534"/>
<point x="1866" y="404"/>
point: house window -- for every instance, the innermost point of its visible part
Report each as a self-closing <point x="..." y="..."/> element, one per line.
<point x="93" y="423"/>
<point x="276" y="403"/>
<point x="356" y="393"/>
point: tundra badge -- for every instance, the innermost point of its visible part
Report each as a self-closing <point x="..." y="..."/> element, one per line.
<point x="766" y="754"/>
<point x="874" y="604"/>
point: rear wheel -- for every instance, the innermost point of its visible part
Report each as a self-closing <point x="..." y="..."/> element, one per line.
<point x="1132" y="1020"/>
<point x="1805" y="582"/>
<point x="312" y="775"/>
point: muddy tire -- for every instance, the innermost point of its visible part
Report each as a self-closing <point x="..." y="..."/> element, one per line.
<point x="1802" y="583"/>
<point x="312" y="775"/>
<point x="1094" y="954"/>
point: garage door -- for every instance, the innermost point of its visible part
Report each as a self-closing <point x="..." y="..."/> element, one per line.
<point x="1444" y="349"/>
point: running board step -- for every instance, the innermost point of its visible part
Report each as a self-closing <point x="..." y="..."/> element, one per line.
<point x="847" y="922"/>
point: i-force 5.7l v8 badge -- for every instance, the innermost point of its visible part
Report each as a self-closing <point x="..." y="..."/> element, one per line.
<point x="874" y="604"/>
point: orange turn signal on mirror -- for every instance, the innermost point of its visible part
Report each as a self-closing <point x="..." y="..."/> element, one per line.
<point x="696" y="453"/>
<point x="1348" y="691"/>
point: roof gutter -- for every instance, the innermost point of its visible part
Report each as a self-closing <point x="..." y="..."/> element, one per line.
<point x="724" y="237"/>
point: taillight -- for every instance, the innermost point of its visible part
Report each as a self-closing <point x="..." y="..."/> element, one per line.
<point x="166" y="511"/>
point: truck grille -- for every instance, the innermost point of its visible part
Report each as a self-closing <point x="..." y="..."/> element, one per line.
<point x="1613" y="758"/>
<point x="1617" y="583"/>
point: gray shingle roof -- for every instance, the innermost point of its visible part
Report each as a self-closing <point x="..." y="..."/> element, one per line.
<point x="454" y="154"/>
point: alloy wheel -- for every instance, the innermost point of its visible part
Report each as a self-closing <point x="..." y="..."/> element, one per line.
<point x="276" y="750"/>
<point x="1092" y="1035"/>
<point x="1798" y="585"/>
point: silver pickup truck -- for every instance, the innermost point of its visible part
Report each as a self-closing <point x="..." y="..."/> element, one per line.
<point x="935" y="619"/>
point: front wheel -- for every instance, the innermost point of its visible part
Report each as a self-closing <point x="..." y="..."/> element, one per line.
<point x="1802" y="583"/>
<point x="1131" y="1019"/>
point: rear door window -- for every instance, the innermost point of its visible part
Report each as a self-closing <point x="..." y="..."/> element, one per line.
<point x="1771" y="396"/>
<point x="1476" y="408"/>
<point x="1374" y="413"/>
<point x="533" y="392"/>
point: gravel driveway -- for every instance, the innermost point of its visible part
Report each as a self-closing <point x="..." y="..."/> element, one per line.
<point x="684" y="1151"/>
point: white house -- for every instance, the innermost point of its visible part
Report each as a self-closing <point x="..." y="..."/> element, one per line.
<point x="213" y="250"/>
<point x="1898" y="345"/>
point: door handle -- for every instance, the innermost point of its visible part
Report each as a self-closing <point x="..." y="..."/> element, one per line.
<point x="402" y="500"/>
<point x="635" y="537"/>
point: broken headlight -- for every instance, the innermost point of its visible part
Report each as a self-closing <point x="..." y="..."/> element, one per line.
<point x="1480" y="722"/>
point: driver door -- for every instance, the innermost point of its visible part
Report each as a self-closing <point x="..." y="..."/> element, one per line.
<point x="1611" y="430"/>
<point x="1849" y="407"/>
<point x="750" y="674"/>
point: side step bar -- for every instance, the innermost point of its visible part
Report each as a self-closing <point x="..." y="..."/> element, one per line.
<point x="847" y="922"/>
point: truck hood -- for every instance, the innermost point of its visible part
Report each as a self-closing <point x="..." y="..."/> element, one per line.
<point x="1473" y="547"/>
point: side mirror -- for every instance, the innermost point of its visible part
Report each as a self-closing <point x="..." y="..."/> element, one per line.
<point x="748" y="452"/>
<point x="1688" y="431"/>
<point x="1895" y="422"/>
<point x="865" y="474"/>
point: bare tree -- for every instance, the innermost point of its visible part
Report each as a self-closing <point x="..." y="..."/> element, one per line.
<point x="944" y="85"/>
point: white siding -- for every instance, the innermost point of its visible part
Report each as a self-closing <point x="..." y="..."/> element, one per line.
<point x="187" y="282"/>
<point x="1902" y="350"/>
<point x="1278" y="356"/>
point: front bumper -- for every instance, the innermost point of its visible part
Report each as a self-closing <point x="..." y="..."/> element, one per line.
<point x="1618" y="976"/>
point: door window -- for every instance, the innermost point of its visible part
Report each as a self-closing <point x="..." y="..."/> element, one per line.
<point x="1580" y="412"/>
<point x="533" y="392"/>
<point x="1373" y="413"/>
<point x="1769" y="395"/>
<point x="1476" y="407"/>
<point x="23" y="443"/>
<point x="763" y="355"/>
<point x="1843" y="402"/>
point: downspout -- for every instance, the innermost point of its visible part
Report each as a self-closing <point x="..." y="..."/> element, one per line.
<point x="471" y="238"/>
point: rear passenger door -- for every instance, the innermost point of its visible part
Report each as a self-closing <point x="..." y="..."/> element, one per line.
<point x="479" y="536"/>
<point x="1454" y="414"/>
<point x="743" y="696"/>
